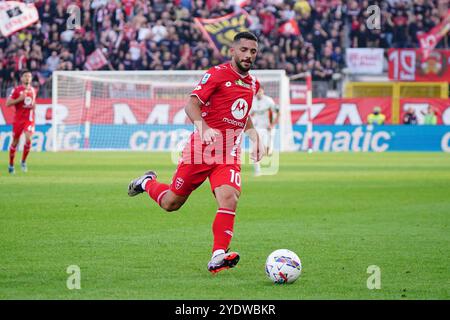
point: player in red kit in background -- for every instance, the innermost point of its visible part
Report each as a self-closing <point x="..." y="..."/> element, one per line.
<point x="219" y="107"/>
<point x="23" y="97"/>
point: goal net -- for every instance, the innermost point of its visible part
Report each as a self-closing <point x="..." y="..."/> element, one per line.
<point x="141" y="110"/>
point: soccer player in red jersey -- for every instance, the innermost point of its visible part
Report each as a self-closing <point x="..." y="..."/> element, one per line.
<point x="23" y="97"/>
<point x="219" y="107"/>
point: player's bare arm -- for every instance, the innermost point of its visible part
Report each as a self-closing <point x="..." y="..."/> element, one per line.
<point x="194" y="113"/>
<point x="275" y="121"/>
<point x="258" y="151"/>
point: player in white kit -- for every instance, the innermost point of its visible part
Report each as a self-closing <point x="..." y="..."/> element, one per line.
<point x="265" y="114"/>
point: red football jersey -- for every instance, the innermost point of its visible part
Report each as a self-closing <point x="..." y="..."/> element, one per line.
<point x="25" y="108"/>
<point x="226" y="98"/>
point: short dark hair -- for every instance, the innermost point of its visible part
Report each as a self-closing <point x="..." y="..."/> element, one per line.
<point x="245" y="35"/>
<point x="24" y="71"/>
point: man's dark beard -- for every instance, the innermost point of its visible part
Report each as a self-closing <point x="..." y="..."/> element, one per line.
<point x="242" y="68"/>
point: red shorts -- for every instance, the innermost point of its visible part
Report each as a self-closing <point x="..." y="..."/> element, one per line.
<point x="189" y="177"/>
<point x="23" y="126"/>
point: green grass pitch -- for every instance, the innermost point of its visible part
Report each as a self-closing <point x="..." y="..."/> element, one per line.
<point x="341" y="213"/>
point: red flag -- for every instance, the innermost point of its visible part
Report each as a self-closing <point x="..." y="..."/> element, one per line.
<point x="95" y="60"/>
<point x="289" y="28"/>
<point x="428" y="41"/>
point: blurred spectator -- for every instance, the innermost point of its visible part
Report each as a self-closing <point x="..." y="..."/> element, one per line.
<point x="20" y="61"/>
<point x="302" y="7"/>
<point x="5" y="74"/>
<point x="410" y="117"/>
<point x="53" y="61"/>
<point x="80" y="56"/>
<point x="255" y="22"/>
<point x="430" y="117"/>
<point x="159" y="31"/>
<point x="376" y="117"/>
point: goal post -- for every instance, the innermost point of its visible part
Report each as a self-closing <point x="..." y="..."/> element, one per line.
<point x="140" y="110"/>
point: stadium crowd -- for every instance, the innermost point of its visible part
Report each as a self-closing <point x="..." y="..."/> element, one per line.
<point x="162" y="35"/>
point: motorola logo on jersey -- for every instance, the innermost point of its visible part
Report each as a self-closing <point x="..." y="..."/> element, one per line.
<point x="233" y="122"/>
<point x="239" y="109"/>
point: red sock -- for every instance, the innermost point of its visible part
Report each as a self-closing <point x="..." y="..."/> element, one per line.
<point x="156" y="190"/>
<point x="26" y="151"/>
<point x="12" y="155"/>
<point x="223" y="228"/>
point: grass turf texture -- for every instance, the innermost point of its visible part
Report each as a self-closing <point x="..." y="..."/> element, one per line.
<point x="339" y="212"/>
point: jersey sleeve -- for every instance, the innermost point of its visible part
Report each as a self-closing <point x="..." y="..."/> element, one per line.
<point x="206" y="87"/>
<point x="14" y="93"/>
